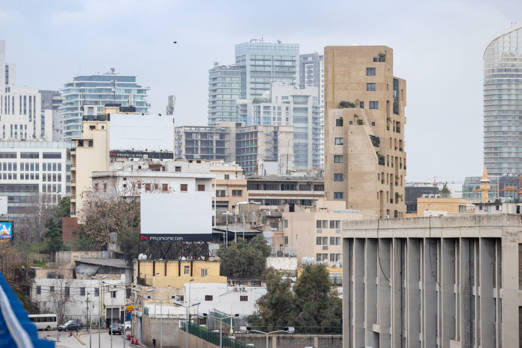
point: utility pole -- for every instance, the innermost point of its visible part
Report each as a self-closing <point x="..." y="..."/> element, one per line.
<point x="88" y="321"/>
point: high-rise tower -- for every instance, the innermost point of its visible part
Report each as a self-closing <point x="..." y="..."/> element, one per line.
<point x="365" y="161"/>
<point x="503" y="103"/>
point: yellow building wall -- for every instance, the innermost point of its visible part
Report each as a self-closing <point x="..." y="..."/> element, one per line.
<point x="449" y="205"/>
<point x="179" y="272"/>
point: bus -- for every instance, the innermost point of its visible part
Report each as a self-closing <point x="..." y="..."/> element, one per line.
<point x="44" y="321"/>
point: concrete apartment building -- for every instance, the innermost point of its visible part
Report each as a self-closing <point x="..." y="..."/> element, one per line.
<point x="286" y="105"/>
<point x="32" y="173"/>
<point x="365" y="161"/>
<point x="433" y="282"/>
<point x="313" y="233"/>
<point x="90" y="154"/>
<point x="224" y="89"/>
<point x="276" y="190"/>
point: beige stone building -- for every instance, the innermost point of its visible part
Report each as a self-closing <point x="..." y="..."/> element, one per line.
<point x="450" y="282"/>
<point x="313" y="233"/>
<point x="91" y="153"/>
<point x="231" y="185"/>
<point x="365" y="161"/>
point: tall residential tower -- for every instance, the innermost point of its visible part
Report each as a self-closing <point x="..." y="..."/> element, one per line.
<point x="365" y="161"/>
<point x="224" y="89"/>
<point x="503" y="104"/>
<point x="99" y="90"/>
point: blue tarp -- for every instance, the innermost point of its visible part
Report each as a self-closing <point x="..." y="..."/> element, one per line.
<point x="20" y="320"/>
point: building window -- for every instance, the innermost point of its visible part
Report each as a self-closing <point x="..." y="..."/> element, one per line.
<point x="104" y="185"/>
<point x="113" y="294"/>
<point x="237" y="193"/>
<point x="221" y="193"/>
<point x="374" y="105"/>
<point x="370" y="71"/>
<point x="361" y="104"/>
<point x="339" y="141"/>
<point x="371" y="87"/>
<point x="338" y="177"/>
<point x="177" y="169"/>
<point x="186" y="269"/>
<point x="147" y="187"/>
<point x="318" y="240"/>
<point x="204" y="272"/>
<point x="286" y="240"/>
<point x="183" y="187"/>
<point x="201" y="187"/>
<point x="38" y="290"/>
<point x="164" y="187"/>
<point x="339" y="122"/>
<point x="156" y="187"/>
<point x="51" y="288"/>
<point x="227" y="176"/>
<point x="338" y="159"/>
<point x="96" y="292"/>
<point x="335" y="223"/>
<point x="82" y="291"/>
<point x="243" y="298"/>
<point x="285" y="223"/>
<point x="90" y="143"/>
<point x="338" y="195"/>
<point x="208" y="297"/>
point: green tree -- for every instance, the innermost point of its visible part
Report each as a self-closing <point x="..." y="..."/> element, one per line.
<point x="244" y="259"/>
<point x="53" y="236"/>
<point x="276" y="307"/>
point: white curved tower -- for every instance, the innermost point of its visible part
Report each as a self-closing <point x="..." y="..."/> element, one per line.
<point x="503" y="103"/>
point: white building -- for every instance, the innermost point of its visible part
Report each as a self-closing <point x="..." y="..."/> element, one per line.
<point x="286" y="105"/>
<point x="32" y="172"/>
<point x="20" y="107"/>
<point x="237" y="299"/>
<point x="71" y="298"/>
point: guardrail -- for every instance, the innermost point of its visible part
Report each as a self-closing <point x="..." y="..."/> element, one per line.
<point x="16" y="330"/>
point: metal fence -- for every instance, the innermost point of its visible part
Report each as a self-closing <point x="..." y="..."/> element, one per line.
<point x="212" y="337"/>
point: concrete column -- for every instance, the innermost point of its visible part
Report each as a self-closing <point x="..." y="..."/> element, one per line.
<point x="358" y="294"/>
<point x="348" y="285"/>
<point x="510" y="291"/>
<point x="413" y="293"/>
<point x="397" y="300"/>
<point x="487" y="301"/>
<point x="429" y="291"/>
<point x="370" y="297"/>
<point x="464" y="290"/>
<point x="447" y="292"/>
<point x="498" y="286"/>
<point x="383" y="292"/>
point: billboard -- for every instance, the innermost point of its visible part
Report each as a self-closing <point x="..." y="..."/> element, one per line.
<point x="141" y="133"/>
<point x="177" y="216"/>
<point x="6" y="230"/>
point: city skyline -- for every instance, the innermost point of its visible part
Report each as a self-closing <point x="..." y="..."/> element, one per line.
<point x="441" y="59"/>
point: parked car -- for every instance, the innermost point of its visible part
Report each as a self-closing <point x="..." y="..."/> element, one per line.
<point x="116" y="329"/>
<point x="70" y="325"/>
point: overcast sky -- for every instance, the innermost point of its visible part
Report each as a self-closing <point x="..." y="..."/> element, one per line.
<point x="438" y="48"/>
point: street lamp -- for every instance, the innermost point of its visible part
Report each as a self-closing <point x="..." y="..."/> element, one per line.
<point x="221" y="325"/>
<point x="227" y="214"/>
<point x="100" y="305"/>
<point x="289" y="330"/>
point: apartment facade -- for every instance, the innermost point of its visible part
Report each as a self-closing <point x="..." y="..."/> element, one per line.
<point x="311" y="74"/>
<point x="434" y="281"/>
<point x="99" y="90"/>
<point x="313" y="233"/>
<point x="90" y="154"/>
<point x="502" y="107"/>
<point x="204" y="143"/>
<point x="275" y="190"/>
<point x="224" y="89"/>
<point x="33" y="173"/>
<point x="365" y="161"/>
<point x="51" y="101"/>
<point x="286" y="105"/>
<point x="266" y="62"/>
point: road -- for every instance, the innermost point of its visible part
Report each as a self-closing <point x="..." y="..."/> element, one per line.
<point x="66" y="341"/>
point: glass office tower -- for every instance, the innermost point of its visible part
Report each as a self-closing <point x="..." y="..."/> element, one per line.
<point x="99" y="90"/>
<point x="266" y="62"/>
<point x="224" y="89"/>
<point x="503" y="104"/>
